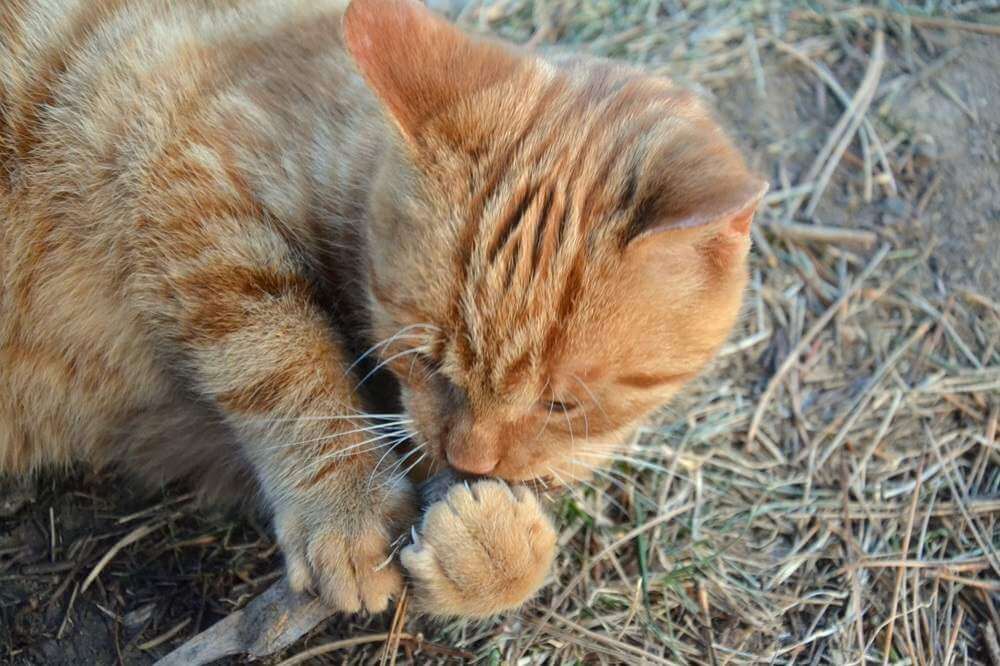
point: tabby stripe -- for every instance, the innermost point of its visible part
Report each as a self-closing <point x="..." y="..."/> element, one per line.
<point x="648" y="381"/>
<point x="263" y="395"/>
<point x="222" y="294"/>
<point x="509" y="377"/>
<point x="510" y="223"/>
<point x="603" y="176"/>
<point x="573" y="285"/>
<point x="497" y="172"/>
<point x="53" y="65"/>
<point x="540" y="229"/>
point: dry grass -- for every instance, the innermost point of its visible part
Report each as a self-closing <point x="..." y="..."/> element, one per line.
<point x="829" y="493"/>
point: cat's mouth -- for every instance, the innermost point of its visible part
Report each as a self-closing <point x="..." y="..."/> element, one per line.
<point x="435" y="488"/>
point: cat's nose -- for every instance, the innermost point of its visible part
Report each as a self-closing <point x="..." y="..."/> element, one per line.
<point x="472" y="462"/>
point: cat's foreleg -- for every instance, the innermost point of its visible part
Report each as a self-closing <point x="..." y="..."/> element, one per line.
<point x="230" y="300"/>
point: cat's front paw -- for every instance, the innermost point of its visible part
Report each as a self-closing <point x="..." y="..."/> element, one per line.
<point x="483" y="549"/>
<point x="339" y="547"/>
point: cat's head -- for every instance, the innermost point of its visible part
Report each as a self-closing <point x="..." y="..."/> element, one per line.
<point x="556" y="247"/>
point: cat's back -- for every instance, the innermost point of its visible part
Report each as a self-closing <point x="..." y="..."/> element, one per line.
<point x="93" y="94"/>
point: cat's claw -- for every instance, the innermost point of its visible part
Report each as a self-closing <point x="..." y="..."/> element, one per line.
<point x="344" y="562"/>
<point x="483" y="549"/>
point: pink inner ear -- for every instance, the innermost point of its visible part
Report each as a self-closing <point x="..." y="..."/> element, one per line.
<point x="741" y="219"/>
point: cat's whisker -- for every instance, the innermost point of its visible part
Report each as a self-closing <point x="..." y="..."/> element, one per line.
<point x="586" y="418"/>
<point x="374" y="473"/>
<point x="545" y="424"/>
<point x="399" y="335"/>
<point x="413" y="466"/>
<point x="388" y="440"/>
<point x="570" y="488"/>
<point x="606" y="459"/>
<point x="620" y="485"/>
<point x="569" y="424"/>
<point x="643" y="464"/>
<point x="602" y="492"/>
<point x="403" y="459"/>
<point x="402" y="354"/>
<point x="349" y="451"/>
<point x="360" y="416"/>
<point x="387" y="432"/>
<point x="592" y="396"/>
<point x="389" y="476"/>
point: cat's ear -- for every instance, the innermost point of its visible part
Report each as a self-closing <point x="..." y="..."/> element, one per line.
<point x="419" y="64"/>
<point x="712" y="191"/>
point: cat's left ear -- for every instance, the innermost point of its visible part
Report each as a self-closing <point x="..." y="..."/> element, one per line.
<point x="725" y="206"/>
<point x="420" y="65"/>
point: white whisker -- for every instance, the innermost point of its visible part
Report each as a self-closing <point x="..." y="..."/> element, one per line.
<point x="399" y="335"/>
<point x="387" y="432"/>
<point x="402" y="354"/>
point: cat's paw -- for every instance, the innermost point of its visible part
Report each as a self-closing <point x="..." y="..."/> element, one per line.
<point x="483" y="549"/>
<point x="340" y="548"/>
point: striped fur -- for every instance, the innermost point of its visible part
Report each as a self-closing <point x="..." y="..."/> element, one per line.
<point x="210" y="207"/>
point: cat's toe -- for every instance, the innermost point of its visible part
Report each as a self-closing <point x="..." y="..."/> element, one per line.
<point x="347" y="563"/>
<point x="484" y="549"/>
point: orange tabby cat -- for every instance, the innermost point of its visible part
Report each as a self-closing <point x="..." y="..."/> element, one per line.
<point x="211" y="208"/>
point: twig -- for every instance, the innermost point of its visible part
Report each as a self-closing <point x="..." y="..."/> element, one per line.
<point x="901" y="571"/>
<point x="934" y="21"/>
<point x="818" y="233"/>
<point x="803" y="344"/>
<point x="130" y="538"/>
<point x="340" y="645"/>
<point x="270" y="623"/>
<point x="165" y="636"/>
<point x="854" y="114"/>
<point x="992" y="645"/>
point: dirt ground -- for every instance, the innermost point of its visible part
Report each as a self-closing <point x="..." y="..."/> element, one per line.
<point x="833" y="483"/>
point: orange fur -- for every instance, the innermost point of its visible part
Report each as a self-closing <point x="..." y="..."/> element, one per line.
<point x="202" y="233"/>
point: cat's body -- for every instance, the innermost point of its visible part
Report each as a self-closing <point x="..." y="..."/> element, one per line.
<point x="242" y="109"/>
<point x="210" y="208"/>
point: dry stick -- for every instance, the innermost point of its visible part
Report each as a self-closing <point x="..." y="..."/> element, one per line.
<point x="902" y="570"/>
<point x="271" y="622"/>
<point x="820" y="233"/>
<point x="340" y="645"/>
<point x="988" y="585"/>
<point x="962" y="499"/>
<point x="826" y="77"/>
<point x="992" y="645"/>
<point x="130" y="538"/>
<point x="883" y="428"/>
<point x="391" y="647"/>
<point x="935" y="22"/>
<point x="165" y="636"/>
<point x="806" y="340"/>
<point x="954" y="637"/>
<point x="857" y="405"/>
<point x="69" y="612"/>
<point x="604" y="640"/>
<point x="859" y="107"/>
<point x="862" y="98"/>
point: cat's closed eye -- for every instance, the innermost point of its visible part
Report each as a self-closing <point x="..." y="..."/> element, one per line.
<point x="557" y="406"/>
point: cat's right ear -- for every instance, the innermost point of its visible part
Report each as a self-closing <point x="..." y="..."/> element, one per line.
<point x="419" y="64"/>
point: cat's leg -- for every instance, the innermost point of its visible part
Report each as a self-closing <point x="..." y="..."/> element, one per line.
<point x="231" y="304"/>
<point x="483" y="549"/>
